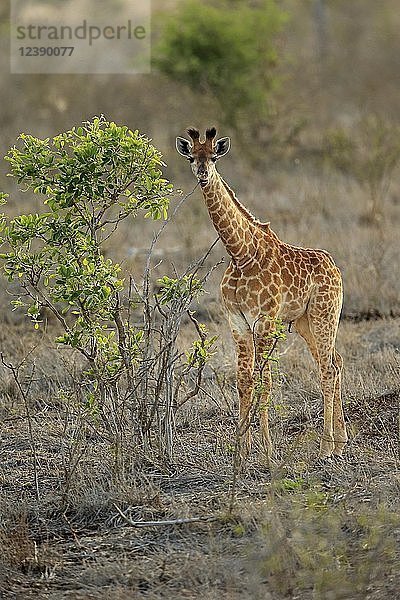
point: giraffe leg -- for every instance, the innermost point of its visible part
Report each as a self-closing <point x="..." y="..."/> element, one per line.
<point x="330" y="372"/>
<point x="244" y="382"/>
<point x="339" y="426"/>
<point x="329" y="377"/>
<point x="321" y="345"/>
<point x="263" y="381"/>
<point x="263" y="413"/>
<point x="302" y="326"/>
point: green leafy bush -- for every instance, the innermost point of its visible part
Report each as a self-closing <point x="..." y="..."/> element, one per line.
<point x="227" y="49"/>
<point x="91" y="178"/>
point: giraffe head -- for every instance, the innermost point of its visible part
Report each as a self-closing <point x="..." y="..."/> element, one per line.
<point x="203" y="154"/>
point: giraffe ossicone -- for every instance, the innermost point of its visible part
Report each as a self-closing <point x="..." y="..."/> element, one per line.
<point x="266" y="280"/>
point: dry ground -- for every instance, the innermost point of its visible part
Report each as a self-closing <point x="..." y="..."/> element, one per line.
<point x="302" y="531"/>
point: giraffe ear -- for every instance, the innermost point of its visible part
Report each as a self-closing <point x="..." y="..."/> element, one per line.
<point x="183" y="146"/>
<point x="222" y="146"/>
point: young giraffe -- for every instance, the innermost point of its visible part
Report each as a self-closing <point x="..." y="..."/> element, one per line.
<point x="265" y="280"/>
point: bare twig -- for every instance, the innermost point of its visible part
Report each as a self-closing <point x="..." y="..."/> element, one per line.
<point x="166" y="522"/>
<point x="24" y="392"/>
<point x="199" y="378"/>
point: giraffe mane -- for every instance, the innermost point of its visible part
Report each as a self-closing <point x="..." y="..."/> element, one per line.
<point x="237" y="202"/>
<point x="245" y="212"/>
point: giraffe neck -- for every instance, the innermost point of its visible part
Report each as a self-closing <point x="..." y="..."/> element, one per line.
<point x="239" y="231"/>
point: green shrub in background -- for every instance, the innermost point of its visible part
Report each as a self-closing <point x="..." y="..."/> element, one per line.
<point x="227" y="49"/>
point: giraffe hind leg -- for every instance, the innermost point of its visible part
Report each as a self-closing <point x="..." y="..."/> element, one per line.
<point x="303" y="328"/>
<point x="339" y="426"/>
<point x="330" y="365"/>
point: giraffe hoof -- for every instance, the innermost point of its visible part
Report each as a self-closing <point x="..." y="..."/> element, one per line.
<point x="327" y="455"/>
<point x="326" y="450"/>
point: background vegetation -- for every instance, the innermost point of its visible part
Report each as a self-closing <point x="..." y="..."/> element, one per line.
<point x="310" y="100"/>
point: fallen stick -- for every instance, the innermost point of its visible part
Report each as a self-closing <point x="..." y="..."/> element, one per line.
<point x="164" y="522"/>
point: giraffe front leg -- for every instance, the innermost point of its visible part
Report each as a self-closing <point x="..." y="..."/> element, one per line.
<point x="263" y="381"/>
<point x="263" y="412"/>
<point x="244" y="382"/>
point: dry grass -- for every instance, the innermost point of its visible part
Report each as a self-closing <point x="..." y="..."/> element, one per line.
<point x="302" y="530"/>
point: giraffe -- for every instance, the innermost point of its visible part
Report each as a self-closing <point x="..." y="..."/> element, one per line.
<point x="267" y="279"/>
